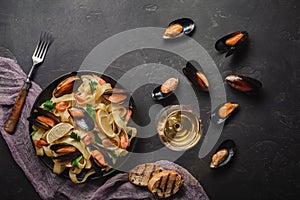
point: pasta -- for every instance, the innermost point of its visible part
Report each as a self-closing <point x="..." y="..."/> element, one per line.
<point x="77" y="128"/>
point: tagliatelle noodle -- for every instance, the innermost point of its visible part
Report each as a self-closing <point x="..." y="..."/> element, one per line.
<point x="110" y="121"/>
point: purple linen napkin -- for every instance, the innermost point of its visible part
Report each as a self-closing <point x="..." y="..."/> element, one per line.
<point x="51" y="186"/>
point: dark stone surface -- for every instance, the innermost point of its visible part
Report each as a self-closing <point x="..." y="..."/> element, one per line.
<point x="266" y="129"/>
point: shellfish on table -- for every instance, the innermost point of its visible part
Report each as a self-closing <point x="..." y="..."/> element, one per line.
<point x="178" y="28"/>
<point x="196" y="77"/>
<point x="165" y="90"/>
<point x="243" y="83"/>
<point x="224" y="154"/>
<point x="231" y="42"/>
<point x="223" y="111"/>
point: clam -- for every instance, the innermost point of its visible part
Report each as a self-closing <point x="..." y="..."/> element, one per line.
<point x="243" y="83"/>
<point x="43" y="118"/>
<point x="231" y="42"/>
<point x="224" y="154"/>
<point x="179" y="27"/>
<point x="223" y="111"/>
<point x="65" y="87"/>
<point x="165" y="90"/>
<point x="81" y="118"/>
<point x="196" y="77"/>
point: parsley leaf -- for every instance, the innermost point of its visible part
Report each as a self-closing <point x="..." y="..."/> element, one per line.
<point x="76" y="161"/>
<point x="33" y="133"/>
<point x="75" y="136"/>
<point x="92" y="86"/>
<point x="49" y="105"/>
<point x="91" y="111"/>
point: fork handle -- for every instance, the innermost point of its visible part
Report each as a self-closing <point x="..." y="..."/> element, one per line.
<point x="13" y="119"/>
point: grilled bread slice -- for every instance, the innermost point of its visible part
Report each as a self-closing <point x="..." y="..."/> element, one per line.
<point x="165" y="183"/>
<point x="141" y="174"/>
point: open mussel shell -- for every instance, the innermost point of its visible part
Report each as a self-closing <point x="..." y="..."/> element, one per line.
<point x="231" y="42"/>
<point x="197" y="78"/>
<point x="224" y="154"/>
<point x="223" y="111"/>
<point x="43" y="119"/>
<point x="178" y="28"/>
<point x="165" y="90"/>
<point x="100" y="156"/>
<point x="243" y="83"/>
<point x="66" y="86"/>
<point x="81" y="118"/>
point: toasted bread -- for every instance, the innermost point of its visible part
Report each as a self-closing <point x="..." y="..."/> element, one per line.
<point x="141" y="174"/>
<point x="165" y="183"/>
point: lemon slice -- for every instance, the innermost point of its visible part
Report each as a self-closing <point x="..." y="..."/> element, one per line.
<point x="58" y="131"/>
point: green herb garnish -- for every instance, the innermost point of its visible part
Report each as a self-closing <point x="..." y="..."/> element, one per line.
<point x="76" y="161"/>
<point x="49" y="105"/>
<point x="112" y="154"/>
<point x="75" y="136"/>
<point x="33" y="133"/>
<point x="92" y="86"/>
<point x="91" y="111"/>
<point x="98" y="139"/>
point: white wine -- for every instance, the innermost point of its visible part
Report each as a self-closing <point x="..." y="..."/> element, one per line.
<point x="179" y="128"/>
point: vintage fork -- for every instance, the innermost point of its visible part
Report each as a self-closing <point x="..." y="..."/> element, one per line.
<point x="37" y="58"/>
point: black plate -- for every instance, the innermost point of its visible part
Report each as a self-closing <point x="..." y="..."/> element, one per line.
<point x="46" y="94"/>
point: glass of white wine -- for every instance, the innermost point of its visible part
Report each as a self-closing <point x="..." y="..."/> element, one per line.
<point x="178" y="127"/>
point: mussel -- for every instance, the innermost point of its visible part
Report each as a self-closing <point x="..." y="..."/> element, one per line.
<point x="243" y="83"/>
<point x="179" y="27"/>
<point x="224" y="154"/>
<point x="43" y="119"/>
<point x="223" y="111"/>
<point x="196" y="77"/>
<point x="63" y="148"/>
<point x="81" y="118"/>
<point x="101" y="156"/>
<point x="165" y="90"/>
<point x="67" y="158"/>
<point x="116" y="95"/>
<point x="231" y="42"/>
<point x="66" y="86"/>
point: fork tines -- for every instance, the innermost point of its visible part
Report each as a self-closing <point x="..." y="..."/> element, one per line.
<point x="41" y="49"/>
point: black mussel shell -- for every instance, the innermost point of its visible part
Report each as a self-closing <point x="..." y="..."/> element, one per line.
<point x="179" y="27"/>
<point x="165" y="90"/>
<point x="41" y="112"/>
<point x="66" y="86"/>
<point x="224" y="154"/>
<point x="81" y="118"/>
<point x="231" y="42"/>
<point x="223" y="111"/>
<point x="197" y="78"/>
<point x="243" y="83"/>
<point x="105" y="153"/>
<point x="65" y="158"/>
